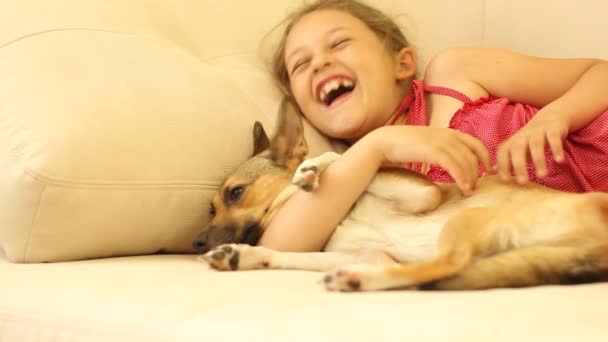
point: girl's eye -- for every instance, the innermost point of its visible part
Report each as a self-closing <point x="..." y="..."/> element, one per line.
<point x="299" y="64"/>
<point x="339" y="42"/>
<point x="211" y="210"/>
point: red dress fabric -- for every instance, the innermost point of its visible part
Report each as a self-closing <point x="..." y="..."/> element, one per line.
<point x="493" y="120"/>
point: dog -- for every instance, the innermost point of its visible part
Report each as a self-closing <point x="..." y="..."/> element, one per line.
<point x="406" y="232"/>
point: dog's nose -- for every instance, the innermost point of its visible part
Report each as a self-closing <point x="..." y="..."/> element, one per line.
<point x="200" y="244"/>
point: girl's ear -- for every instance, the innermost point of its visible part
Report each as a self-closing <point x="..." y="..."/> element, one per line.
<point x="406" y="64"/>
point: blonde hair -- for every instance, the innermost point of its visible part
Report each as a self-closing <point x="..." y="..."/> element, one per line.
<point x="381" y="24"/>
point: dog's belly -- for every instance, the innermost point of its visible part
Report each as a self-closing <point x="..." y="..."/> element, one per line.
<point x="405" y="238"/>
<point x="372" y="224"/>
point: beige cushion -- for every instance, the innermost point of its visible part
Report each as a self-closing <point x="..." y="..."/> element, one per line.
<point x="114" y="150"/>
<point x="172" y="298"/>
<point x="554" y="28"/>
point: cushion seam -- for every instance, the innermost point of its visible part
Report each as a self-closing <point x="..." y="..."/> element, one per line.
<point x="26" y="249"/>
<point x="66" y="183"/>
<point x="42" y="32"/>
<point x="101" y="184"/>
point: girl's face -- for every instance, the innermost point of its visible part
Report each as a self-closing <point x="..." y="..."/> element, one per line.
<point x="344" y="79"/>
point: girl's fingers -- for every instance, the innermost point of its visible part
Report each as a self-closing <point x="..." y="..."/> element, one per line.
<point x="480" y="150"/>
<point x="555" y="142"/>
<point x="425" y="168"/>
<point x="456" y="170"/>
<point x="470" y="163"/>
<point x="519" y="160"/>
<point x="537" y="153"/>
<point x="503" y="162"/>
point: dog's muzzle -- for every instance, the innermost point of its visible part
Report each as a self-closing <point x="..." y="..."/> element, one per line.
<point x="215" y="236"/>
<point x="200" y="244"/>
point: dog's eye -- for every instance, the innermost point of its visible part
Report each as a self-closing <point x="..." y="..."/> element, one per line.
<point x="211" y="210"/>
<point x="236" y="193"/>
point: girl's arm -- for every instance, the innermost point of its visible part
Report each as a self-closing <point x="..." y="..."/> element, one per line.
<point x="307" y="219"/>
<point x="571" y="93"/>
<point x="521" y="78"/>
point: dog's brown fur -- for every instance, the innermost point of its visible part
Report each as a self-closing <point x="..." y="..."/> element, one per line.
<point x="504" y="235"/>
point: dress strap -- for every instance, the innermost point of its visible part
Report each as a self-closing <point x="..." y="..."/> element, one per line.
<point x="447" y="92"/>
<point x="414" y="102"/>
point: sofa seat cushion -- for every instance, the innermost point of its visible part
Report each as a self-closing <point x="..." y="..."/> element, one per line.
<point x="173" y="298"/>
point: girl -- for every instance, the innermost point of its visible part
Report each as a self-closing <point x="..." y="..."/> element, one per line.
<point x="351" y="72"/>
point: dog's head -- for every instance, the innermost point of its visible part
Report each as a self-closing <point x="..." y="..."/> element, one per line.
<point x="242" y="207"/>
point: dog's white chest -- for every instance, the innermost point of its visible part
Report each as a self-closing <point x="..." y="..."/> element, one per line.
<point x="372" y="224"/>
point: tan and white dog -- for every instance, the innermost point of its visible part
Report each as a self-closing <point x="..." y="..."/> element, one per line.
<point x="406" y="231"/>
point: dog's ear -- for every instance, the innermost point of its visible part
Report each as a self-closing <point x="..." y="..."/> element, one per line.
<point x="288" y="146"/>
<point x="260" y="139"/>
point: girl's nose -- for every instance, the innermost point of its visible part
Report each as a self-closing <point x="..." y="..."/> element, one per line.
<point x="321" y="63"/>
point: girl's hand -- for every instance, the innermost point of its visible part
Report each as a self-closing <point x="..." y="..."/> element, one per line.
<point x="456" y="152"/>
<point x="529" y="142"/>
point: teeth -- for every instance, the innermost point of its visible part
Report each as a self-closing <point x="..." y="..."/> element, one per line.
<point x="323" y="95"/>
<point x="333" y="85"/>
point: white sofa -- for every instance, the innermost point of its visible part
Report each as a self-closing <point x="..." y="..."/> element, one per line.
<point x="118" y="120"/>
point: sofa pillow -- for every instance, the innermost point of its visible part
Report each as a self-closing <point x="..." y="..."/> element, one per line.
<point x="113" y="143"/>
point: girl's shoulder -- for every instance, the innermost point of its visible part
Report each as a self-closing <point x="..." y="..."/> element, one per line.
<point x="446" y="69"/>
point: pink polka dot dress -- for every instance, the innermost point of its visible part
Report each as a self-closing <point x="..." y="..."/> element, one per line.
<point x="493" y="120"/>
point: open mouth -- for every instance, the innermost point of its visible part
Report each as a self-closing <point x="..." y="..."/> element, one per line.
<point x="334" y="89"/>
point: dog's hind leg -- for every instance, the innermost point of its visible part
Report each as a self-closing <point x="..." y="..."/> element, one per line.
<point x="233" y="257"/>
<point x="568" y="247"/>
<point x="531" y="266"/>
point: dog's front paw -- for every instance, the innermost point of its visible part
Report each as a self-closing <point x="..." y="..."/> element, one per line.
<point x="362" y="277"/>
<point x="307" y="173"/>
<point x="307" y="176"/>
<point x="223" y="258"/>
<point x="234" y="257"/>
